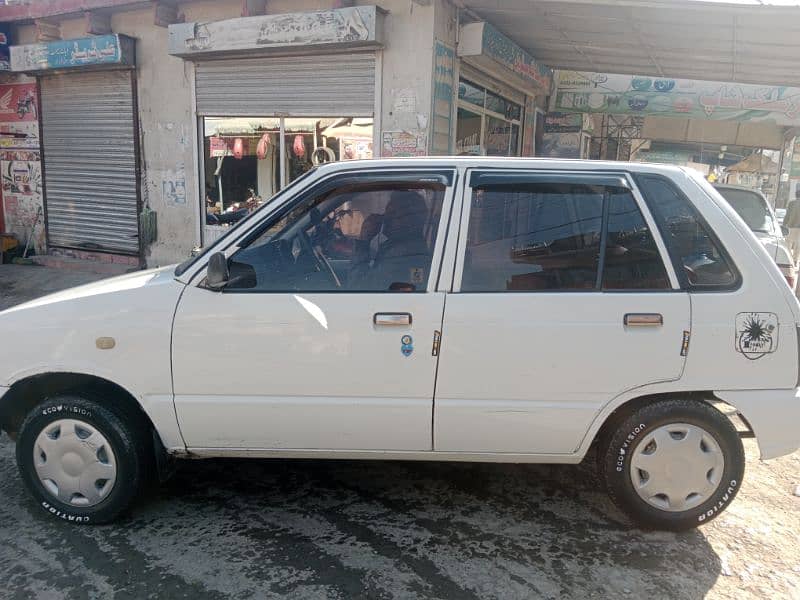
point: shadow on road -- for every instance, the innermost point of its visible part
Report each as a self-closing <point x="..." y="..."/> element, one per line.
<point x="353" y="529"/>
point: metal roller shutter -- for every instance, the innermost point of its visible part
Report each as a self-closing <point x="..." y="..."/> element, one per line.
<point x="88" y="138"/>
<point x="305" y="86"/>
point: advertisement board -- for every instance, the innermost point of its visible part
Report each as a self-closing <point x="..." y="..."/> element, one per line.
<point x="585" y="92"/>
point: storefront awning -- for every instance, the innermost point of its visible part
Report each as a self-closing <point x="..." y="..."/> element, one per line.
<point x="748" y="41"/>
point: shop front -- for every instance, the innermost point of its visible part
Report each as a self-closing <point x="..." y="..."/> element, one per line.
<point x="502" y="93"/>
<point x="90" y="160"/>
<point x="270" y="105"/>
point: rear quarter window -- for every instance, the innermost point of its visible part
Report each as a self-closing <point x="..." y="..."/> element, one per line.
<point x="699" y="257"/>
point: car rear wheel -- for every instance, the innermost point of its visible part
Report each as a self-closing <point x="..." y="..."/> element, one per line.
<point x="673" y="464"/>
<point x="81" y="461"/>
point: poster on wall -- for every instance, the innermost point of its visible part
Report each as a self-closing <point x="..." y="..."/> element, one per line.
<point x="404" y="143"/>
<point x="19" y="126"/>
<point x="529" y="131"/>
<point x="580" y="91"/>
<point x="21" y="184"/>
<point x="444" y="81"/>
<point x="794" y="168"/>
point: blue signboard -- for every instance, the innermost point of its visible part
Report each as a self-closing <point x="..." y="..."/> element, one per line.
<point x="500" y="48"/>
<point x="94" y="51"/>
<point x="5" y="44"/>
<point x="444" y="80"/>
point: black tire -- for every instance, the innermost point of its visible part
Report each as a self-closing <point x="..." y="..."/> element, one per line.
<point x="128" y="437"/>
<point x="620" y="444"/>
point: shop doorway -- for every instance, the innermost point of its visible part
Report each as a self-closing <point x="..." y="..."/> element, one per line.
<point x="248" y="159"/>
<point x="487" y="124"/>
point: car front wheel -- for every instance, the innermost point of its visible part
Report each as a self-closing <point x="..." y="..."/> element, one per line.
<point x="81" y="461"/>
<point x="673" y="464"/>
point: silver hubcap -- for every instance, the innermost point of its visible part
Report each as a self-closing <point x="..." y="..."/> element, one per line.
<point x="75" y="462"/>
<point x="677" y="467"/>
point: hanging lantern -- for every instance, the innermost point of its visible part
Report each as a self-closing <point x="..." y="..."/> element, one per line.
<point x="299" y="146"/>
<point x="263" y="147"/>
<point x="238" y="148"/>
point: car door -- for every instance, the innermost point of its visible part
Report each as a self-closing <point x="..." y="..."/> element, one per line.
<point x="561" y="301"/>
<point x="322" y="338"/>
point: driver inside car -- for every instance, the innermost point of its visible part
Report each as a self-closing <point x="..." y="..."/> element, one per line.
<point x="402" y="252"/>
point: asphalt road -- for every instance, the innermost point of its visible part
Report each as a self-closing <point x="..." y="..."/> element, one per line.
<point x="357" y="529"/>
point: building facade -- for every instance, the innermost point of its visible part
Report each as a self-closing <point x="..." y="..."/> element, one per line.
<point x="152" y="129"/>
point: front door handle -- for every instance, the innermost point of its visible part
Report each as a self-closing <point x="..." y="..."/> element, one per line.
<point x="643" y="320"/>
<point x="392" y="319"/>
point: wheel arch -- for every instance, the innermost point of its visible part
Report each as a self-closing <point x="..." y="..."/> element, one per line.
<point x="616" y="412"/>
<point x="29" y="391"/>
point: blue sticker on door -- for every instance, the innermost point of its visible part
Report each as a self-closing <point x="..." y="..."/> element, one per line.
<point x="406" y="345"/>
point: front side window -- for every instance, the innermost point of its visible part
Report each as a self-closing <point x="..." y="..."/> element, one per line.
<point x="694" y="249"/>
<point x="550" y="237"/>
<point x="360" y="238"/>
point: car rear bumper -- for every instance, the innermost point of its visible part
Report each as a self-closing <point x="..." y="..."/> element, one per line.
<point x="774" y="416"/>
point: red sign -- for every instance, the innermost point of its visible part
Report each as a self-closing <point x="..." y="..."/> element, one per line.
<point x="18" y="102"/>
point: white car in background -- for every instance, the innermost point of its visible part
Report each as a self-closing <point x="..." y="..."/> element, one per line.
<point x="754" y="209"/>
<point x="450" y="309"/>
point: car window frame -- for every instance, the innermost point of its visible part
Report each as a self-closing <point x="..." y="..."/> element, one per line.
<point x="443" y="175"/>
<point x="587" y="177"/>
<point x="676" y="261"/>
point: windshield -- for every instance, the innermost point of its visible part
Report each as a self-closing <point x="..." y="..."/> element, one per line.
<point x="751" y="207"/>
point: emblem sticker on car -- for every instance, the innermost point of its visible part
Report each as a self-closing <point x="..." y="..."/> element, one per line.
<point x="407" y="345"/>
<point x="756" y="334"/>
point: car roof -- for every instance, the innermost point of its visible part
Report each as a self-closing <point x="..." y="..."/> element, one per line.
<point x="741" y="188"/>
<point x="492" y="162"/>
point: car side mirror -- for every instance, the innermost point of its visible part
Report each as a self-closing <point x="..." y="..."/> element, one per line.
<point x="217" y="273"/>
<point x="785" y="230"/>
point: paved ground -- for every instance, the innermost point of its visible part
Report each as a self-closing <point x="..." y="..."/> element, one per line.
<point x="316" y="529"/>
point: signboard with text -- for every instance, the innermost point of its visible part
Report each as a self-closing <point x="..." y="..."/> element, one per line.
<point x="585" y="92"/>
<point x="102" y="50"/>
<point x="444" y="81"/>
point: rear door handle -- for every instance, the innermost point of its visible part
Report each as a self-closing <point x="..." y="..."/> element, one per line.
<point x="392" y="319"/>
<point x="643" y="320"/>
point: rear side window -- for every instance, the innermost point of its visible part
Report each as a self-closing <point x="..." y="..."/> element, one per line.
<point x="697" y="254"/>
<point x="632" y="259"/>
<point x="549" y="237"/>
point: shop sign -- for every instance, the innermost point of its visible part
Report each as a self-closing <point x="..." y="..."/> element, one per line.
<point x="561" y="145"/>
<point x="5" y="39"/>
<point x="585" y="92"/>
<point x="404" y="143"/>
<point x="102" y="50"/>
<point x="444" y="81"/>
<point x="670" y="157"/>
<point x="563" y="122"/>
<point x="483" y="39"/>
<point x="350" y="26"/>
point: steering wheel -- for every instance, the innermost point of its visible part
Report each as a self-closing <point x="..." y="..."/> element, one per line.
<point x="320" y="260"/>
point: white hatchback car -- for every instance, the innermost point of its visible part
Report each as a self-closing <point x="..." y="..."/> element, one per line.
<point x="468" y="309"/>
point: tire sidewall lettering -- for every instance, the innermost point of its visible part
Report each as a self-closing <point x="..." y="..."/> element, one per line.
<point x="727" y="494"/>
<point x="624" y="450"/>
<point x="63" y="515"/>
<point x="58" y="409"/>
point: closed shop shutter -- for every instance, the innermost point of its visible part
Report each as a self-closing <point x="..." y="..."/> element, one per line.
<point x="88" y="139"/>
<point x="332" y="85"/>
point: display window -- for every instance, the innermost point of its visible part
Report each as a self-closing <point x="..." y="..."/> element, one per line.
<point x="487" y="123"/>
<point x="248" y="159"/>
